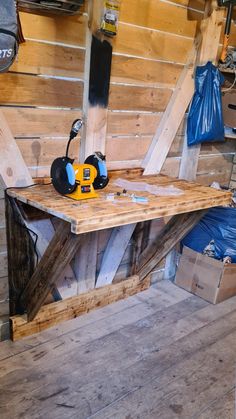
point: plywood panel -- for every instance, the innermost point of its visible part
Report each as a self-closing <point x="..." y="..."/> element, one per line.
<point x="160" y="15"/>
<point x="42" y="152"/>
<point x="56" y="60"/>
<point x="138" y="98"/>
<point x="132" y="123"/>
<point x="135" y="70"/>
<point x="32" y="122"/>
<point x="65" y="29"/>
<point x="32" y="90"/>
<point x="152" y="44"/>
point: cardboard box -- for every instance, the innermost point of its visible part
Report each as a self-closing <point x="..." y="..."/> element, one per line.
<point x="206" y="277"/>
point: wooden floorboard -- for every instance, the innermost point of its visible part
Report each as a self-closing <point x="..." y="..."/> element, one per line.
<point x="160" y="354"/>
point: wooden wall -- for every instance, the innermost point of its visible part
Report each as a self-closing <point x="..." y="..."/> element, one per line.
<point x="43" y="93"/>
<point x="154" y="41"/>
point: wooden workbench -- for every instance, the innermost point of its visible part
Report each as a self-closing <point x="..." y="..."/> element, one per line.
<point x="80" y="217"/>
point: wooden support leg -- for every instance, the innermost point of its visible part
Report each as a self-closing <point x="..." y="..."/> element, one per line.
<point x="114" y="253"/>
<point x="85" y="262"/>
<point x="59" y="253"/>
<point x="172" y="233"/>
<point x="20" y="255"/>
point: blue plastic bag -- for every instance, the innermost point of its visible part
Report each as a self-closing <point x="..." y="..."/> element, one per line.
<point x="205" y="118"/>
<point x="219" y="224"/>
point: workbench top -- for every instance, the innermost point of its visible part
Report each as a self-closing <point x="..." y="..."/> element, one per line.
<point x="100" y="213"/>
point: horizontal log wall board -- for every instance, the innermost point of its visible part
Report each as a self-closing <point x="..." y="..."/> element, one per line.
<point x="90" y="216"/>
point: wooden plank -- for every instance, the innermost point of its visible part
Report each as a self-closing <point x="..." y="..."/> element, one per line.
<point x="66" y="281"/>
<point x="95" y="130"/>
<point x="172" y="233"/>
<point x="3" y="264"/>
<point x="195" y="5"/>
<point x="69" y="30"/>
<point x="56" y="60"/>
<point x="20" y="89"/>
<point x="132" y="123"/>
<point x="59" y="253"/>
<point x="4" y="308"/>
<point x="170" y="122"/>
<point x="160" y="15"/>
<point x="85" y="263"/>
<point x="127" y="148"/>
<point x="211" y="30"/>
<point x="33" y="122"/>
<point x="20" y="244"/>
<point x="4" y="329"/>
<point x="112" y="318"/>
<point x="225" y="147"/>
<point x="210" y="168"/>
<point x="133" y="40"/>
<point x="223" y="406"/>
<point x="138" y="98"/>
<point x="114" y="253"/>
<point x="2" y="214"/>
<point x="13" y="171"/>
<point x="72" y="307"/>
<point x="127" y="69"/>
<point x="178" y="383"/>
<point x="4" y="289"/>
<point x="101" y="330"/>
<point x="176" y="334"/>
<point x="100" y="213"/>
<point x="42" y="151"/>
<point x="97" y="81"/>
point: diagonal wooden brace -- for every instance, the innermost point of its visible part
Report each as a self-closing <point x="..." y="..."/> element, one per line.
<point x="172" y="233"/>
<point x="59" y="253"/>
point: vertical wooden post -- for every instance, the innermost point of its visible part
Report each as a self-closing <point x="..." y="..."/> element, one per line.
<point x="210" y="34"/>
<point x="97" y="81"/>
<point x="95" y="109"/>
<point x="211" y="31"/>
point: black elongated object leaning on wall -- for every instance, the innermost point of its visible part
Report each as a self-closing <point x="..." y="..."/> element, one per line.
<point x="100" y="71"/>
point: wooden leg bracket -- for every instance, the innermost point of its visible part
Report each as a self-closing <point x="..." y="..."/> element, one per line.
<point x="59" y="253"/>
<point x="172" y="233"/>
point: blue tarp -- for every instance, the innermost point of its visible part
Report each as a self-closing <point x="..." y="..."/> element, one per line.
<point x="205" y="118"/>
<point x="219" y="224"/>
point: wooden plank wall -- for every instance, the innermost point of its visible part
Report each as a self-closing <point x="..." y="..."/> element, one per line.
<point x="153" y="43"/>
<point x="43" y="93"/>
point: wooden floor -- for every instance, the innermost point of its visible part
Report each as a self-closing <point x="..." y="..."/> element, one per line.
<point x="160" y="354"/>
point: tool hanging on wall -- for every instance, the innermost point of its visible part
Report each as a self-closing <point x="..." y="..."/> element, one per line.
<point x="79" y="181"/>
<point x="224" y="53"/>
<point x="110" y="17"/>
